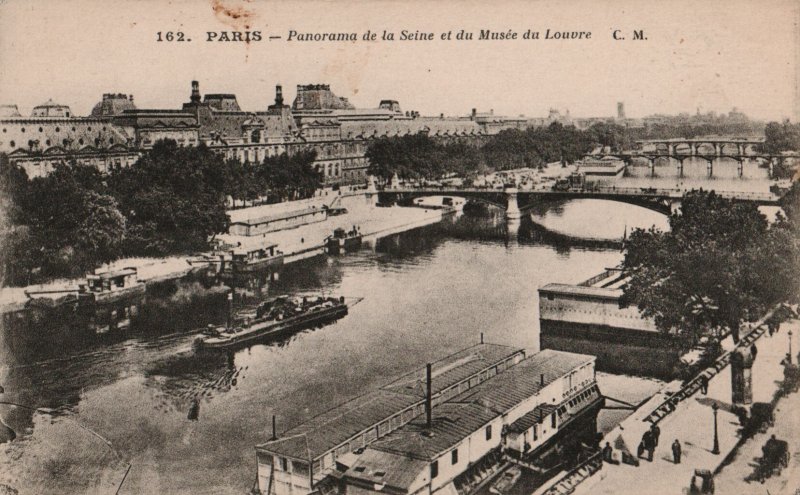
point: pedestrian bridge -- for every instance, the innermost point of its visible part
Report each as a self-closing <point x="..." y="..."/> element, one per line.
<point x="662" y="200"/>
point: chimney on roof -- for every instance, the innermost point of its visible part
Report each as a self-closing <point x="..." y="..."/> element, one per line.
<point x="278" y="95"/>
<point x="195" y="92"/>
<point x="274" y="431"/>
<point x="130" y="97"/>
<point x="481" y="337"/>
<point x="541" y="379"/>
<point x="474" y="113"/>
<point x="428" y="400"/>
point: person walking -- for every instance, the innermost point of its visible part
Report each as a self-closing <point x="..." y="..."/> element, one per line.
<point x="676" y="451"/>
<point x="656" y="431"/>
<point x="704" y="384"/>
<point x="647" y="441"/>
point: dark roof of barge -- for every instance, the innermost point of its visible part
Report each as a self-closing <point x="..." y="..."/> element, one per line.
<point x="524" y="380"/>
<point x="325" y="431"/>
<point x="455" y="420"/>
<point x="451" y="423"/>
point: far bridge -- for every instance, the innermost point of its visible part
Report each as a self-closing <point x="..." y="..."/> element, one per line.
<point x="712" y="150"/>
<point x="514" y="201"/>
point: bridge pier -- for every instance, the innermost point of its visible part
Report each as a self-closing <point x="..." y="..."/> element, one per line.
<point x="512" y="209"/>
<point x="692" y="149"/>
<point x="680" y="166"/>
<point x="710" y="168"/>
<point x="740" y="167"/>
<point x="771" y="168"/>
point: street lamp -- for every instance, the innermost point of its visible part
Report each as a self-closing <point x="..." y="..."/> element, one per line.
<point x="715" y="450"/>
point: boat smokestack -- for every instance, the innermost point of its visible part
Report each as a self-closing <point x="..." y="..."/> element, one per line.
<point x="428" y="405"/>
<point x="274" y="431"/>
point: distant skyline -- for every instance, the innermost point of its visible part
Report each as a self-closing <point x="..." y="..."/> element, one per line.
<point x="714" y="55"/>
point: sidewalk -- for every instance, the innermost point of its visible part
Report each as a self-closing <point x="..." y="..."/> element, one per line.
<point x="692" y="424"/>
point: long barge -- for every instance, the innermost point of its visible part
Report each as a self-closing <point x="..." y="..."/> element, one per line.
<point x="273" y="319"/>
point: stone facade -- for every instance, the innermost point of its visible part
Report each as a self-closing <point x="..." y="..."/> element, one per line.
<point x="117" y="131"/>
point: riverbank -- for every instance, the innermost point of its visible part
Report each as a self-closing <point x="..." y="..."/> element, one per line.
<point x="692" y="424"/>
<point x="296" y="243"/>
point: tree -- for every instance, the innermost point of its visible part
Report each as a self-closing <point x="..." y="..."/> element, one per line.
<point x="71" y="223"/>
<point x="289" y="177"/>
<point x="173" y="199"/>
<point x="720" y="265"/>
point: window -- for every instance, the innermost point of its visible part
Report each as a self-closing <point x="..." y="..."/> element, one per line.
<point x="454" y="456"/>
<point x="489" y="432"/>
<point x="553" y="420"/>
<point x="550" y="297"/>
<point x="434" y="469"/>
<point x="12" y="144"/>
<point x="40" y="129"/>
<point x="284" y="464"/>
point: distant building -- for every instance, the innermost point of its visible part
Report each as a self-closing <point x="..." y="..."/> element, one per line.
<point x="51" y="109"/>
<point x="113" y="104"/>
<point x="620" y="110"/>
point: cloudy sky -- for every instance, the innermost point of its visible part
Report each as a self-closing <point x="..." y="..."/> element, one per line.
<point x="710" y="54"/>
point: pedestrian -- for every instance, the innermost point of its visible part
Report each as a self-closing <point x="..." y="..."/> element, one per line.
<point x="647" y="440"/>
<point x="608" y="452"/>
<point x="704" y="384"/>
<point x="676" y="451"/>
<point x="656" y="431"/>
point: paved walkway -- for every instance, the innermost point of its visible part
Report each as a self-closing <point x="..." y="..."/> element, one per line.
<point x="692" y="424"/>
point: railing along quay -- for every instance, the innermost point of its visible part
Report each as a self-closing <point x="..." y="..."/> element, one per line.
<point x="691" y="387"/>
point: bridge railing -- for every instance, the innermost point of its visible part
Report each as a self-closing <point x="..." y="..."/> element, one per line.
<point x="593" y="191"/>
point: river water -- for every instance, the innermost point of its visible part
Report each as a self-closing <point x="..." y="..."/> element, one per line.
<point x="112" y="403"/>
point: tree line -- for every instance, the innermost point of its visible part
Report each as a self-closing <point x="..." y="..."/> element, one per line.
<point x="172" y="200"/>
<point x="419" y="156"/>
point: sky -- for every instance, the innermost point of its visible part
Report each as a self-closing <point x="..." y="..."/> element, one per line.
<point x="712" y="55"/>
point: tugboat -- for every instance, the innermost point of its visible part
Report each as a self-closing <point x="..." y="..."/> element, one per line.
<point x="271" y="319"/>
<point x="342" y="241"/>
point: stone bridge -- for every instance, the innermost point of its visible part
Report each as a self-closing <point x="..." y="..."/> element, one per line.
<point x="709" y="149"/>
<point x="514" y="201"/>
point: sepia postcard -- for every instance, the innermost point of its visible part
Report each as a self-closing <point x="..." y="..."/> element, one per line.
<point x="400" y="247"/>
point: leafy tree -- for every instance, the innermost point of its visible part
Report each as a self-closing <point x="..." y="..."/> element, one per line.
<point x="289" y="177"/>
<point x="173" y="199"/>
<point x="720" y="265"/>
<point x="781" y="137"/>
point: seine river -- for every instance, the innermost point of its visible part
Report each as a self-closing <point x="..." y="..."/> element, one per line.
<point x="111" y="405"/>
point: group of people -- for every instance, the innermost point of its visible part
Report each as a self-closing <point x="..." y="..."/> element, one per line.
<point x="649" y="442"/>
<point x="646" y="447"/>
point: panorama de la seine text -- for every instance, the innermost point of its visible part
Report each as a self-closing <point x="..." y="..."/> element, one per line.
<point x="369" y="35"/>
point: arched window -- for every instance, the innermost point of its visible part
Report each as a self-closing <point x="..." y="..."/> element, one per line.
<point x="12" y="144"/>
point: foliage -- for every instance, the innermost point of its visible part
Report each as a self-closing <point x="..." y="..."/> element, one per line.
<point x="781" y="137"/>
<point x="420" y="156"/>
<point x="60" y="225"/>
<point x="288" y="177"/>
<point x="173" y="198"/>
<point x="720" y="265"/>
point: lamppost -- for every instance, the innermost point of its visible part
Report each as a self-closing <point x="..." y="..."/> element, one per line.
<point x="715" y="450"/>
